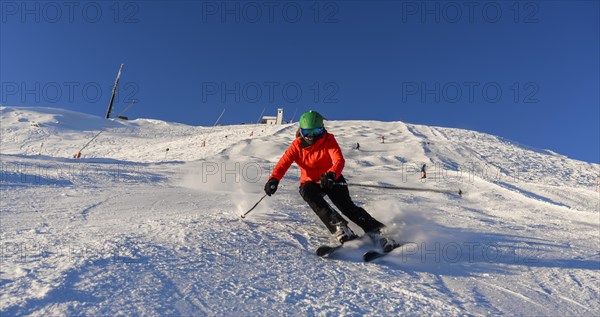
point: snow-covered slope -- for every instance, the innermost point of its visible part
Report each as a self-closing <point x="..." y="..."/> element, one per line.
<point x="133" y="229"/>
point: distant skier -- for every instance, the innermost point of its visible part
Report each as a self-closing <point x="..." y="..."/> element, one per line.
<point x="321" y="162"/>
<point x="357" y="146"/>
<point x="423" y="172"/>
<point x="382" y="138"/>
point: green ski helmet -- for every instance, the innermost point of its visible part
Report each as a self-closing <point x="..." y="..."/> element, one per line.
<point x="311" y="119"/>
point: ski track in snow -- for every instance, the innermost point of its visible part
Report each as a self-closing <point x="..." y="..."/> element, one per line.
<point x="133" y="229"/>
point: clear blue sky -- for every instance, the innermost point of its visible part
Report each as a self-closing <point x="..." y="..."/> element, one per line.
<point x="524" y="70"/>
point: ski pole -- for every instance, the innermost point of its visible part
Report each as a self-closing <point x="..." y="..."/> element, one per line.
<point x="258" y="202"/>
<point x="444" y="191"/>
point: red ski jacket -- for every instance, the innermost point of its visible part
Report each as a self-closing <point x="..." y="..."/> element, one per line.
<point x="323" y="156"/>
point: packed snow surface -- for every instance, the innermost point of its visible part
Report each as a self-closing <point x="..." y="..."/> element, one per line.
<point x="132" y="228"/>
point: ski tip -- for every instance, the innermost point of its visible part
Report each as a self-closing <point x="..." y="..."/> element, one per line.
<point x="371" y="255"/>
<point x="375" y="254"/>
<point x="325" y="251"/>
<point x="321" y="252"/>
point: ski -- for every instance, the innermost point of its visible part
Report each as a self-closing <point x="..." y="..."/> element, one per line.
<point x="325" y="251"/>
<point x="374" y="254"/>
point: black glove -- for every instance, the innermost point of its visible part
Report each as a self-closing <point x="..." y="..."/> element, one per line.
<point x="328" y="180"/>
<point x="271" y="186"/>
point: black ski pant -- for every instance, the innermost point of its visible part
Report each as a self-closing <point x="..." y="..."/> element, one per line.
<point x="313" y="194"/>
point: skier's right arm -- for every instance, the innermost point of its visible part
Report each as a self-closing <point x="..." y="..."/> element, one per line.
<point x="281" y="168"/>
<point x="289" y="157"/>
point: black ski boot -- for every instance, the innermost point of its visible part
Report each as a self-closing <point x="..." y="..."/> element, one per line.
<point x="343" y="233"/>
<point x="386" y="243"/>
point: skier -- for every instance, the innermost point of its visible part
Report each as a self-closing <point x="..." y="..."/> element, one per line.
<point x="321" y="162"/>
<point x="357" y="146"/>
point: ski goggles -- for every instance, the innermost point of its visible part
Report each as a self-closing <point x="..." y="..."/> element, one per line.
<point x="312" y="132"/>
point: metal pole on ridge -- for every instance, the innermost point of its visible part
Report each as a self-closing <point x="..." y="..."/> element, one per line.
<point x="114" y="92"/>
